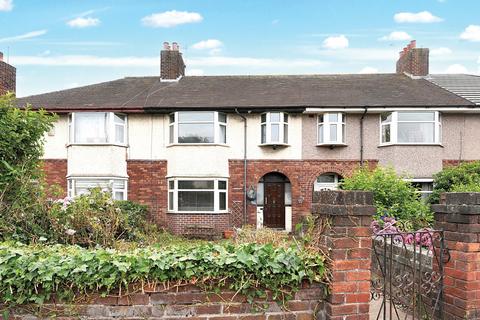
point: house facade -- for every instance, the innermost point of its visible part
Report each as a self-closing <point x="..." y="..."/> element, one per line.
<point x="212" y="152"/>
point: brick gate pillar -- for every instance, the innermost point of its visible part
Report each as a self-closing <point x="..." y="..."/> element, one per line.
<point x="458" y="214"/>
<point x="347" y="239"/>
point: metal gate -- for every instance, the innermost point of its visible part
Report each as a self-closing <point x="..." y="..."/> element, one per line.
<point x="407" y="275"/>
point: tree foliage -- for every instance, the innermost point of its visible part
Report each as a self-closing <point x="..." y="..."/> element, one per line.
<point x="392" y="195"/>
<point x="462" y="178"/>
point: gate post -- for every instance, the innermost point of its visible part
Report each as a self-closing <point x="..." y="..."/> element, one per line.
<point x="458" y="214"/>
<point x="347" y="239"/>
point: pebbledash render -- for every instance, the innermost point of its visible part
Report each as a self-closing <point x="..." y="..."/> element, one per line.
<point x="211" y="152"/>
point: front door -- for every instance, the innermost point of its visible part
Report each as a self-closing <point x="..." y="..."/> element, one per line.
<point x="274" y="205"/>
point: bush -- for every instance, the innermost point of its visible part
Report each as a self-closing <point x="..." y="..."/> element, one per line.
<point x="32" y="274"/>
<point x="95" y="219"/>
<point x="462" y="178"/>
<point x="392" y="196"/>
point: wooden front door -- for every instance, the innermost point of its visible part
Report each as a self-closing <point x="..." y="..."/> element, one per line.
<point x="274" y="205"/>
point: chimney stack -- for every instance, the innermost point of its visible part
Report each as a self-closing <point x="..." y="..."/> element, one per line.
<point x="172" y="66"/>
<point x="8" y="75"/>
<point x="413" y="61"/>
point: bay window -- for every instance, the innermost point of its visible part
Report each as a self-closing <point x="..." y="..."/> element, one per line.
<point x="331" y="129"/>
<point x="97" y="128"/>
<point x="198" y="127"/>
<point x="197" y="195"/>
<point x="411" y="127"/>
<point x="274" y="128"/>
<point x="117" y="186"/>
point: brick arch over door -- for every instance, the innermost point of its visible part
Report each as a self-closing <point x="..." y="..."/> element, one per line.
<point x="301" y="173"/>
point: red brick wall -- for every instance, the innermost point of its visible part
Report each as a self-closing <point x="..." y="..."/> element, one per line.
<point x="56" y="173"/>
<point x="451" y="162"/>
<point x="7" y="78"/>
<point x="301" y="173"/>
<point x="147" y="184"/>
<point x="200" y="225"/>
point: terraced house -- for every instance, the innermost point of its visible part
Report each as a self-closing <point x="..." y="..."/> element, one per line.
<point x="210" y="152"/>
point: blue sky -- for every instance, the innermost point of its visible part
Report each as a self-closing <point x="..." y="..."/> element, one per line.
<point x="62" y="44"/>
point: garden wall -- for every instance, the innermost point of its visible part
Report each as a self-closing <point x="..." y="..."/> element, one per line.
<point x="182" y="302"/>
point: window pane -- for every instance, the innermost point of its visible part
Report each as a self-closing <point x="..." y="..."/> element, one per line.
<point x="285" y="133"/>
<point x="416" y="132"/>
<point x="223" y="134"/>
<point x="285" y="117"/>
<point x="320" y="134"/>
<point x="275" y="134"/>
<point x="386" y="117"/>
<point x="195" y="201"/>
<point x="333" y="117"/>
<point x="120" y="133"/>
<point x="264" y="133"/>
<point x="386" y="133"/>
<point x="264" y="118"/>
<point x="118" y="195"/>
<point x="288" y="194"/>
<point x="171" y="184"/>
<point x="333" y="132"/>
<point x="172" y="128"/>
<point x="343" y="133"/>
<point x="326" y="178"/>
<point x="195" y="184"/>
<point x="170" y="201"/>
<point x="222" y="199"/>
<point x="260" y="194"/>
<point x="222" y="185"/>
<point x="119" y="184"/>
<point x="274" y="117"/>
<point x="195" y="116"/>
<point x="320" y="118"/>
<point x="118" y="118"/>
<point x="172" y="117"/>
<point x="196" y="133"/>
<point x="416" y="116"/>
<point x="91" y="127"/>
<point x="222" y="117"/>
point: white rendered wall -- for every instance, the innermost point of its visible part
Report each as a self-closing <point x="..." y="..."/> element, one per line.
<point x="97" y="160"/>
<point x="56" y="140"/>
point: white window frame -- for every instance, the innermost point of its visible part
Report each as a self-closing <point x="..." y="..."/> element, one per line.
<point x="111" y="126"/>
<point x="326" y="124"/>
<point x="394" y="128"/>
<point x="173" y="207"/>
<point x="422" y="180"/>
<point x="71" y="186"/>
<point x="173" y="128"/>
<point x="320" y="186"/>
<point x="282" y="123"/>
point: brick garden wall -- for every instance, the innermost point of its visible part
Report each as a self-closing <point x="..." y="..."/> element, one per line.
<point x="188" y="302"/>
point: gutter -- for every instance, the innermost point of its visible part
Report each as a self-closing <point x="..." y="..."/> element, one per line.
<point x="361" y="134"/>
<point x="244" y="165"/>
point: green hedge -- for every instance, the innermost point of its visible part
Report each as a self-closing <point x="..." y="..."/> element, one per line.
<point x="31" y="274"/>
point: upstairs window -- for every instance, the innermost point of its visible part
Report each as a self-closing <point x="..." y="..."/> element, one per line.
<point x="97" y="128"/>
<point x="274" y="128"/>
<point x="331" y="129"/>
<point x="411" y="127"/>
<point x="202" y="195"/>
<point x="78" y="186"/>
<point x="198" y="127"/>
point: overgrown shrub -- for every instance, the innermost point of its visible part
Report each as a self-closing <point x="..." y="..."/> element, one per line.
<point x="31" y="274"/>
<point x="462" y="178"/>
<point x="22" y="209"/>
<point x="95" y="219"/>
<point x="392" y="196"/>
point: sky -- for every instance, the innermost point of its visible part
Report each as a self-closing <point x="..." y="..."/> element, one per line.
<point x="56" y="45"/>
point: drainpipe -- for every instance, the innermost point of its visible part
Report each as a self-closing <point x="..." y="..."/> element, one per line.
<point x="361" y="135"/>
<point x="244" y="165"/>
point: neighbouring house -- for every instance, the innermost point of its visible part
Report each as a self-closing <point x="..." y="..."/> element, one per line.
<point x="219" y="151"/>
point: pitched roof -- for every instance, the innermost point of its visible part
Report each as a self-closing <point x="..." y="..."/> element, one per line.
<point x="464" y="85"/>
<point x="253" y="92"/>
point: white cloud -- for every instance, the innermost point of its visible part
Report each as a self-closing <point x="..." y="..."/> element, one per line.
<point x="195" y="72"/>
<point x="6" y="5"/>
<point x="456" y="68"/>
<point x="396" y="36"/>
<point x="440" y="51"/>
<point x="471" y="33"/>
<point x="367" y="70"/>
<point x="170" y="19"/>
<point x="340" y="42"/>
<point x="207" y="44"/>
<point x="83" y="22"/>
<point x="24" y="36"/>
<point x="419" y="17"/>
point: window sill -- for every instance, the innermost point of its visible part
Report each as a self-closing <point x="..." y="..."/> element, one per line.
<point x="197" y="212"/>
<point x="197" y="144"/>
<point x="332" y="145"/>
<point x="274" y="145"/>
<point x="97" y="144"/>
<point x="411" y="145"/>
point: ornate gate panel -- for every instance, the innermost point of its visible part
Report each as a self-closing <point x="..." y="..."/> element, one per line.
<point x="407" y="275"/>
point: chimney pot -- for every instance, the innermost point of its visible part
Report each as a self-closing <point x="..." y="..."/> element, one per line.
<point x="1" y="56"/>
<point x="175" y="46"/>
<point x="166" y="46"/>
